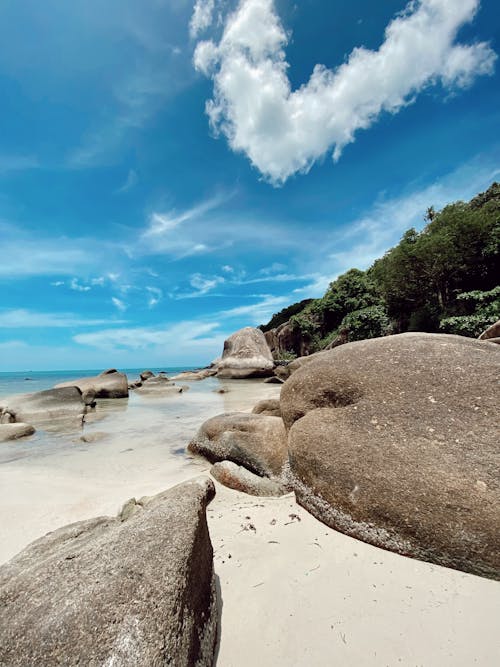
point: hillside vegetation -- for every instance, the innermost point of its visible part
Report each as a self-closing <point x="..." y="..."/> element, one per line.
<point x="444" y="278"/>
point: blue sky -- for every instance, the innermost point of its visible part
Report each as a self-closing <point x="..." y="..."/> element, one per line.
<point x="171" y="170"/>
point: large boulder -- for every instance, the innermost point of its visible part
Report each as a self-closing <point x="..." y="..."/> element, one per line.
<point x="108" y="384"/>
<point x="393" y="441"/>
<point x="246" y="354"/>
<point x="15" y="431"/>
<point x="253" y="441"/>
<point x="135" y="590"/>
<point x="44" y="407"/>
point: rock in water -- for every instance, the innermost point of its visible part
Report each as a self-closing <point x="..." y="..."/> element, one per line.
<point x="395" y="441"/>
<point x="108" y="384"/>
<point x="43" y="408"/>
<point x="134" y="592"/>
<point x="188" y="376"/>
<point x="15" y="431"/>
<point x="253" y="441"/>
<point x="246" y="354"/>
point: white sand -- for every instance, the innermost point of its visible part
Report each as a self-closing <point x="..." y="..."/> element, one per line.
<point x="294" y="593"/>
<point x="297" y="594"/>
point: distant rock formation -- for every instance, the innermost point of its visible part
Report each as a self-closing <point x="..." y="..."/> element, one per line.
<point x="246" y="354"/>
<point x="108" y="384"/>
<point x="138" y="589"/>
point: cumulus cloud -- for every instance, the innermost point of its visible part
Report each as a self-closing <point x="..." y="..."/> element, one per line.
<point x="283" y="131"/>
<point x="202" y="16"/>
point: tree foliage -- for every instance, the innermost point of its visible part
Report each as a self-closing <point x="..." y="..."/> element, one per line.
<point x="443" y="278"/>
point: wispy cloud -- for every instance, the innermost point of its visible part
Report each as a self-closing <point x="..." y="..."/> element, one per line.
<point x="119" y="304"/>
<point x="368" y="237"/>
<point x="190" y="334"/>
<point x="284" y="131"/>
<point x="22" y="319"/>
<point x="130" y="182"/>
<point x="162" y="223"/>
<point x="18" y="163"/>
<point x="257" y="313"/>
<point x="211" y="226"/>
<point x="155" y="295"/>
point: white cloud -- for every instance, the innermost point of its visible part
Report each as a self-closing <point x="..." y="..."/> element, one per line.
<point x="368" y="237"/>
<point x="119" y="304"/>
<point x="161" y="223"/>
<point x="257" y="313"/>
<point x="77" y="287"/>
<point x="130" y="182"/>
<point x="23" y="319"/>
<point x="284" y="131"/>
<point x="202" y="16"/>
<point x="202" y="286"/>
<point x="209" y="227"/>
<point x="155" y="296"/>
<point x="183" y="334"/>
<point x="24" y="255"/>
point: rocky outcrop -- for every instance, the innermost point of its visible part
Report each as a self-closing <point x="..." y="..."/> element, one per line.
<point x="193" y="376"/>
<point x="269" y="407"/>
<point x="135" y="590"/>
<point x="146" y="375"/>
<point x="44" y="407"/>
<point x="159" y="386"/>
<point x="256" y="442"/>
<point x="246" y="354"/>
<point x="286" y="339"/>
<point x="108" y="384"/>
<point x="392" y="440"/>
<point x="240" y="479"/>
<point x="15" y="431"/>
<point x="492" y="333"/>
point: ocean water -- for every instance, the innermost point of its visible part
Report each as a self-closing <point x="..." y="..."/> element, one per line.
<point x="127" y="447"/>
<point x="22" y="382"/>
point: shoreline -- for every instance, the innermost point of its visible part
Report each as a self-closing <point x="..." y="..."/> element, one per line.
<point x="299" y="588"/>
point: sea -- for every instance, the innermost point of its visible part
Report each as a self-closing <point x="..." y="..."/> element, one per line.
<point x="127" y="447"/>
<point x="23" y="382"/>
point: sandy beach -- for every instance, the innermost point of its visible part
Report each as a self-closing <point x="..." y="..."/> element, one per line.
<point x="293" y="592"/>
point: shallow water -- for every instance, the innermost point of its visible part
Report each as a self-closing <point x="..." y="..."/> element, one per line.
<point x="54" y="478"/>
<point x="24" y="382"/>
